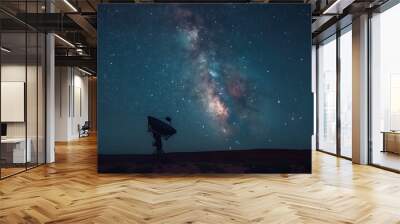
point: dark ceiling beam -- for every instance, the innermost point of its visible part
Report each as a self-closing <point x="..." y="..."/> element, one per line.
<point x="86" y="26"/>
<point x="75" y="14"/>
<point x="336" y="15"/>
<point x="11" y="25"/>
<point x="17" y="19"/>
<point x="338" y="6"/>
<point x="87" y="51"/>
<point x="91" y="5"/>
<point x="49" y="22"/>
<point x="332" y="27"/>
<point x="322" y="23"/>
<point x="79" y="61"/>
<point x="197" y="1"/>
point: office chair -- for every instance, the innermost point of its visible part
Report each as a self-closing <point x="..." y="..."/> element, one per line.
<point x="84" y="130"/>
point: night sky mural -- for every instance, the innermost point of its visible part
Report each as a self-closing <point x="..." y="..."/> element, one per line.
<point x="209" y="87"/>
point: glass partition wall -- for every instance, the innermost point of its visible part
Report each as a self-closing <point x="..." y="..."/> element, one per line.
<point x="385" y="89"/>
<point x="13" y="89"/>
<point x="22" y="98"/>
<point x="334" y="93"/>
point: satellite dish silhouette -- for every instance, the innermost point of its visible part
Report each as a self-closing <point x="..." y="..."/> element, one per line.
<point x="160" y="129"/>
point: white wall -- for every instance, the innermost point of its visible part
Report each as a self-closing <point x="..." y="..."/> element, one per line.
<point x="71" y="102"/>
<point x="16" y="72"/>
<point x="62" y="81"/>
<point x="33" y="127"/>
<point x="81" y="104"/>
<point x="13" y="101"/>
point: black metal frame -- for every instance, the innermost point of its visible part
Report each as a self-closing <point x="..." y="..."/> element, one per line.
<point x="369" y="81"/>
<point x="338" y="98"/>
<point x="44" y="71"/>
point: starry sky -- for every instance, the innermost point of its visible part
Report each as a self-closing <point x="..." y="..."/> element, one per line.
<point x="231" y="76"/>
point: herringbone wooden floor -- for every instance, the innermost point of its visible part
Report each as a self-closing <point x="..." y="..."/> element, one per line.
<point x="71" y="191"/>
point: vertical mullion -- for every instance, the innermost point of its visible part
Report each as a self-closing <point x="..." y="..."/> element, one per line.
<point x="338" y="91"/>
<point x="73" y="92"/>
<point x="37" y="89"/>
<point x="26" y="85"/>
<point x="369" y="79"/>
<point x="45" y="88"/>
<point x="317" y="96"/>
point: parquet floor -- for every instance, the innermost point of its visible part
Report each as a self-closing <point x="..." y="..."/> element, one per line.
<point x="71" y="191"/>
<point x="10" y="171"/>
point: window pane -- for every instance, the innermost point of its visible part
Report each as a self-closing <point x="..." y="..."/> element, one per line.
<point x="327" y="96"/>
<point x="346" y="94"/>
<point x="385" y="93"/>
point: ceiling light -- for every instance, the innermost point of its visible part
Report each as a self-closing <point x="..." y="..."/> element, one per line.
<point x="79" y="51"/>
<point x="5" y="50"/>
<point x="70" y="5"/>
<point x="84" y="71"/>
<point x="337" y="7"/>
<point x="65" y="41"/>
<point x="327" y="11"/>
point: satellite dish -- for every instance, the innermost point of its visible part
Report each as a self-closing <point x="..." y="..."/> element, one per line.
<point x="160" y="129"/>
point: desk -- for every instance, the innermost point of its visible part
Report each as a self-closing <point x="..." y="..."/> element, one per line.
<point x="391" y="141"/>
<point x="16" y="147"/>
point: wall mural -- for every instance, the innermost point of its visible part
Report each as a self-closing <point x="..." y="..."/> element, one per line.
<point x="204" y="88"/>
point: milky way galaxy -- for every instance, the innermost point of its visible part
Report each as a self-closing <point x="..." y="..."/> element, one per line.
<point x="214" y="86"/>
<point x="230" y="76"/>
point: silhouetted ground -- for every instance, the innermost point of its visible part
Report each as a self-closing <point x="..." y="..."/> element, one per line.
<point x="233" y="161"/>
